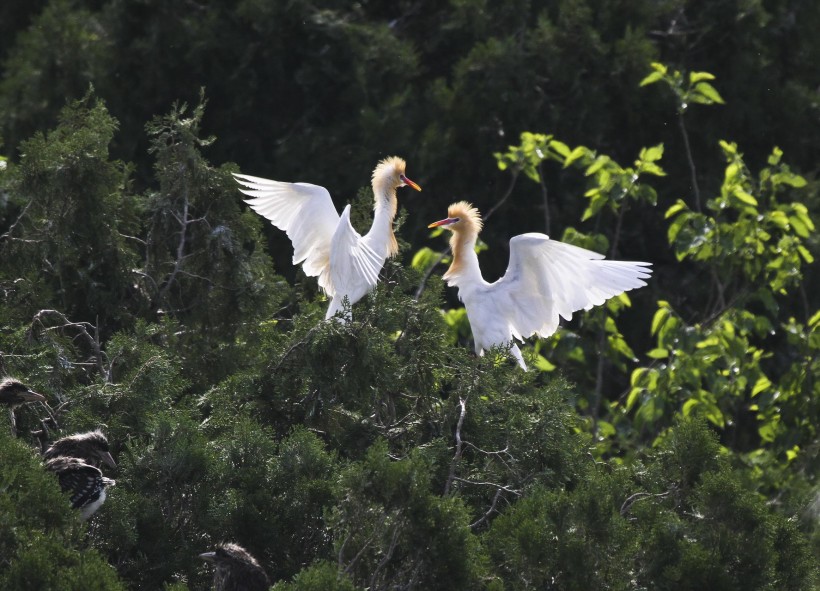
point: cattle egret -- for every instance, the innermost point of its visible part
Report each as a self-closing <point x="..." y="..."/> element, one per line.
<point x="545" y="279"/>
<point x="346" y="263"/>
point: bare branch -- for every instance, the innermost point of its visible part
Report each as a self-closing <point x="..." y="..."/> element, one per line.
<point x="8" y="232"/>
<point x="492" y="484"/>
<point x="82" y="327"/>
<point x="459" y="445"/>
<point x="489" y="511"/>
<point x="640" y="496"/>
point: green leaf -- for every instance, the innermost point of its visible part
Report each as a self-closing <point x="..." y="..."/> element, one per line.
<point x="560" y="148"/>
<point x="577" y="153"/>
<point x="789" y="178"/>
<point x="542" y="364"/>
<point x="597" y="165"/>
<point x="424" y="258"/>
<point x="651" y="79"/>
<point x="659" y="319"/>
<point x="695" y="77"/>
<point x="658" y="353"/>
<point x="743" y="196"/>
<point x="762" y="384"/>
<point x="804" y="252"/>
<point x="632" y="398"/>
<point x="675" y="208"/>
<point x="708" y="91"/>
<point x="651" y="154"/>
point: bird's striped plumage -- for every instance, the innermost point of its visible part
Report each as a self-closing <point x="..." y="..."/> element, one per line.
<point x="85" y="483"/>
<point x="235" y="569"/>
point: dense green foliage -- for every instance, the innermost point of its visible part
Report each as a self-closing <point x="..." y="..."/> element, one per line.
<point x="666" y="440"/>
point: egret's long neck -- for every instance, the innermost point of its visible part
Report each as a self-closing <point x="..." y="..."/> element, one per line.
<point x="464" y="269"/>
<point x="381" y="237"/>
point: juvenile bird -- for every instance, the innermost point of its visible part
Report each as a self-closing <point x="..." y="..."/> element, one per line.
<point x="235" y="569"/>
<point x="346" y="263"/>
<point x="545" y="280"/>
<point x="91" y="446"/>
<point x="13" y="393"/>
<point x="84" y="482"/>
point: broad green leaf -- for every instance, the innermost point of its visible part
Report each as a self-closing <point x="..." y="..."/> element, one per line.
<point x="424" y="258"/>
<point x="651" y="79"/>
<point x="745" y="197"/>
<point x="652" y="153"/>
<point x="632" y="398"/>
<point x="695" y="77"/>
<point x="659" y="319"/>
<point x="728" y="147"/>
<point x="804" y="252"/>
<point x="708" y="91"/>
<point x="560" y="148"/>
<point x="577" y="153"/>
<point x="675" y="208"/>
<point x="789" y="178"/>
<point x="597" y="165"/>
<point x="762" y="384"/>
<point x="542" y="364"/>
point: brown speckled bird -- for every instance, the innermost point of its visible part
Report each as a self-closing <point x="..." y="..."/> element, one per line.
<point x="236" y="570"/>
<point x="91" y="447"/>
<point x="85" y="483"/>
<point x="13" y="393"/>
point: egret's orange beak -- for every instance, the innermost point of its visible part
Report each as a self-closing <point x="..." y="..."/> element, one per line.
<point x="409" y="183"/>
<point x="444" y="222"/>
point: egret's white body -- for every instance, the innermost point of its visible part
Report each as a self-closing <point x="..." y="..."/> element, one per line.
<point x="346" y="263"/>
<point x="545" y="280"/>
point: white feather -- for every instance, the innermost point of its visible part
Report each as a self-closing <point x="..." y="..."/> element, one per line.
<point x="545" y="281"/>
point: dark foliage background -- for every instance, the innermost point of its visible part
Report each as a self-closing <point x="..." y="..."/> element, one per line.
<point x="667" y="440"/>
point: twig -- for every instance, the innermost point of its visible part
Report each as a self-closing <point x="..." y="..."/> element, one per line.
<point x="493" y="484"/>
<point x="94" y="341"/>
<point x="504" y="197"/>
<point x="180" y="246"/>
<point x="639" y="496"/>
<point x="692" y="169"/>
<point x="459" y="445"/>
<point x="545" y="197"/>
<point x="489" y="511"/>
<point x="8" y="232"/>
<point x="387" y="555"/>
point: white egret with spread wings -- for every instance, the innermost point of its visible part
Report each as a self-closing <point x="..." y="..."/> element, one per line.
<point x="327" y="246"/>
<point x="545" y="280"/>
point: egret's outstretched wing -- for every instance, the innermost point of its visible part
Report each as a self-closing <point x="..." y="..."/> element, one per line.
<point x="546" y="279"/>
<point x="354" y="265"/>
<point x="305" y="212"/>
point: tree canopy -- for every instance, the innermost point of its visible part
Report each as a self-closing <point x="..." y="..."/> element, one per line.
<point x="666" y="440"/>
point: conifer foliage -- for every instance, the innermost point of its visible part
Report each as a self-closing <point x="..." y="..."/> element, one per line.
<point x="663" y="441"/>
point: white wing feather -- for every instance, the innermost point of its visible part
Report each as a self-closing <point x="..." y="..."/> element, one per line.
<point x="306" y="213"/>
<point x="547" y="279"/>
<point x="354" y="265"/>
